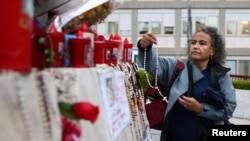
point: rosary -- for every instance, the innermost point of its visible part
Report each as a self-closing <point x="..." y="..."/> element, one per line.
<point x="156" y="72"/>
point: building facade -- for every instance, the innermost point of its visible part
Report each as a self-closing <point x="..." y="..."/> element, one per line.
<point x="168" y="19"/>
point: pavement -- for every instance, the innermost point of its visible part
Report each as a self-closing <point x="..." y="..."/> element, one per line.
<point x="240" y="121"/>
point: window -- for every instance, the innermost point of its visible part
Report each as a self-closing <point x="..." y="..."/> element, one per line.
<point x="168" y="30"/>
<point x="200" y="18"/>
<point x="212" y="21"/>
<point x="156" y="21"/>
<point x="231" y="28"/>
<point x="125" y="23"/>
<point x="232" y="65"/>
<point x="184" y="25"/>
<point x="101" y="28"/>
<point x="112" y="27"/>
<point x="143" y="23"/>
<point x="156" y="27"/>
<point x="137" y="62"/>
<point x="119" y="21"/>
<point x="244" y="27"/>
<point x="243" y="67"/>
<point x="143" y="27"/>
<point x="168" y="23"/>
<point x="237" y="22"/>
<point x="200" y="22"/>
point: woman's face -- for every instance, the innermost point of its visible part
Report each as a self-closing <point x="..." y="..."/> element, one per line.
<point x="200" y="47"/>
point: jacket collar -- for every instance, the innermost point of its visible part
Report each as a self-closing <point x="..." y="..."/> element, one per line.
<point x="217" y="71"/>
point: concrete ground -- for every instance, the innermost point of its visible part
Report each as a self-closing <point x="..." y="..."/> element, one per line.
<point x="239" y="121"/>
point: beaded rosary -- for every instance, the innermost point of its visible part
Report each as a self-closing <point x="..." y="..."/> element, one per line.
<point x="134" y="99"/>
<point x="22" y="99"/>
<point x="131" y="100"/>
<point x="46" y="107"/>
<point x="138" y="91"/>
<point x="156" y="72"/>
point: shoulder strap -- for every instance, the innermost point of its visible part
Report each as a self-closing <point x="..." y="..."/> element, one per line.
<point x="178" y="68"/>
<point x="190" y="80"/>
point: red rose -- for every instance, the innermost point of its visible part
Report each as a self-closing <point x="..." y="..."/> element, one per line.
<point x="67" y="137"/>
<point x="86" y="110"/>
<point x="76" y="130"/>
<point x="69" y="128"/>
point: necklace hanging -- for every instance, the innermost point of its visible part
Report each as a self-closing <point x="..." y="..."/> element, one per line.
<point x="164" y="98"/>
<point x="22" y="99"/>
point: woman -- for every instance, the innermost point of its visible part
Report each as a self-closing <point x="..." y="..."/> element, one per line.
<point x="206" y="55"/>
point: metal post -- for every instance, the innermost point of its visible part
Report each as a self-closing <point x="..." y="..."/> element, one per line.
<point x="189" y="24"/>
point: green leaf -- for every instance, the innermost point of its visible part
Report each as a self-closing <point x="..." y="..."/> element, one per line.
<point x="66" y="109"/>
<point x="143" y="79"/>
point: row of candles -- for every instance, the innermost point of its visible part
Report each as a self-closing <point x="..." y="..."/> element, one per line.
<point x="58" y="49"/>
<point x="85" y="49"/>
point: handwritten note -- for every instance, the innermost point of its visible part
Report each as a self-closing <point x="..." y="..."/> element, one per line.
<point x="115" y="101"/>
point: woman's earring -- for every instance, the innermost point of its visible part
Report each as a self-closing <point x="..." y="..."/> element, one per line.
<point x="211" y="57"/>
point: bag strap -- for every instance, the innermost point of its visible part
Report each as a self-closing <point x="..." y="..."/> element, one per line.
<point x="190" y="80"/>
<point x="167" y="120"/>
<point x="178" y="68"/>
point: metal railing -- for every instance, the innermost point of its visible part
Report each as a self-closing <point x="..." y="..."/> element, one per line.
<point x="239" y="77"/>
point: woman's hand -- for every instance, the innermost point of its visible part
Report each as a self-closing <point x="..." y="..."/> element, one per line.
<point x="148" y="39"/>
<point x="190" y="103"/>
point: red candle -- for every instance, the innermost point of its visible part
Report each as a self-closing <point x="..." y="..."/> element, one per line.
<point x="117" y="48"/>
<point x="16" y="40"/>
<point x="99" y="46"/>
<point x="57" y="39"/>
<point x="79" y="49"/>
<point x="127" y="51"/>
